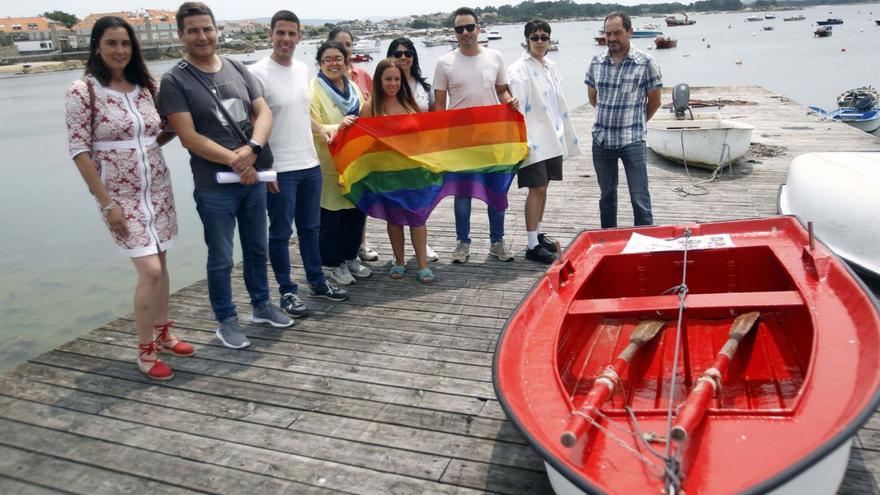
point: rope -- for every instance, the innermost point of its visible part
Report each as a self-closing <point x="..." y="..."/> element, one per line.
<point x="672" y="472"/>
<point x="647" y="462"/>
<point x="696" y="188"/>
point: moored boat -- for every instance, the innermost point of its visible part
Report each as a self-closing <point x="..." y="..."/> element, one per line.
<point x="361" y="57"/>
<point x="601" y="40"/>
<point x="768" y="28"/>
<point x="769" y="16"/>
<point x="850" y="182"/>
<point x="493" y="35"/>
<point x="877" y="22"/>
<point x="646" y="33"/>
<point x="754" y="18"/>
<point x="830" y="22"/>
<point x="662" y="42"/>
<point x="799" y="17"/>
<point x="432" y="41"/>
<point x="705" y="140"/>
<point x="774" y="367"/>
<point x="822" y="32"/>
<point x="672" y="21"/>
<point x="366" y="46"/>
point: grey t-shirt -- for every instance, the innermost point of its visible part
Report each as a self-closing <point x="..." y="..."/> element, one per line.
<point x="235" y="86"/>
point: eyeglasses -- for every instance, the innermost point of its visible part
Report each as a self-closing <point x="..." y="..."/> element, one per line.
<point x="333" y="60"/>
<point x="542" y="37"/>
<point x="469" y="27"/>
<point x="403" y="53"/>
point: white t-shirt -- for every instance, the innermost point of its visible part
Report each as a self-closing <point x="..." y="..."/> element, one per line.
<point x="286" y="89"/>
<point x="470" y="81"/>
<point x="420" y="94"/>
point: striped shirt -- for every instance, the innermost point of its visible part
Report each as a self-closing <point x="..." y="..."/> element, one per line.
<point x="622" y="92"/>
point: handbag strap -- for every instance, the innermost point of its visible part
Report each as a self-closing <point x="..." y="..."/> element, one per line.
<point x="184" y="65"/>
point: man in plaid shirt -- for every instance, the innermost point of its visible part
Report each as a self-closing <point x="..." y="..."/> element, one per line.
<point x="623" y="85"/>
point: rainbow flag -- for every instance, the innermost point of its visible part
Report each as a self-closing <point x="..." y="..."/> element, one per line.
<point x="398" y="168"/>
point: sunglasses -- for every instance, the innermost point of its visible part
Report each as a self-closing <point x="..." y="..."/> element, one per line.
<point x="403" y="53"/>
<point x="543" y="37"/>
<point x="469" y="27"/>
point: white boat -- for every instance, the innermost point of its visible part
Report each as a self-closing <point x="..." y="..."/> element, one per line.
<point x="366" y="46"/>
<point x="493" y="35"/>
<point x="848" y="182"/>
<point x="429" y="42"/>
<point x="705" y="141"/>
<point x="754" y="18"/>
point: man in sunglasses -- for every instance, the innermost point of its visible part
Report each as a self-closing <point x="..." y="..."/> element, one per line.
<point x="472" y="76"/>
<point x="623" y="84"/>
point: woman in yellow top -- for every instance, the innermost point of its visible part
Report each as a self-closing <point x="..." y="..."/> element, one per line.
<point x="392" y="96"/>
<point x="336" y="102"/>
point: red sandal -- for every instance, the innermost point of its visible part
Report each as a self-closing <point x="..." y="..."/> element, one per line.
<point x="153" y="368"/>
<point x="165" y="342"/>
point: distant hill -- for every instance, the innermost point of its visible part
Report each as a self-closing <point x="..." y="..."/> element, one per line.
<point x="316" y="22"/>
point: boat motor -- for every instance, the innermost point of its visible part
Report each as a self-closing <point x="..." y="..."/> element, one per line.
<point x="681" y="98"/>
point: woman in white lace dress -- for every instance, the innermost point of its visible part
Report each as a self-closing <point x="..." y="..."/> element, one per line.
<point x="114" y="133"/>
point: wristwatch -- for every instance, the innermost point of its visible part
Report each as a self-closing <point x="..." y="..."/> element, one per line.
<point x="255" y="146"/>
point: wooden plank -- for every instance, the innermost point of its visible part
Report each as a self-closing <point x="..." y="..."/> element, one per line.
<point x="738" y="300"/>
<point x="496" y="479"/>
<point x="38" y="473"/>
<point x="260" y="396"/>
<point x="297" y="443"/>
<point x="160" y="467"/>
<point x="282" y="467"/>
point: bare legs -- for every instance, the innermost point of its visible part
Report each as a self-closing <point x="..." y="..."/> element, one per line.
<point x="150" y="295"/>
<point x="536" y="200"/>
<point x="419" y="238"/>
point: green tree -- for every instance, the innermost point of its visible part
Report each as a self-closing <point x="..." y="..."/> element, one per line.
<point x="63" y="17"/>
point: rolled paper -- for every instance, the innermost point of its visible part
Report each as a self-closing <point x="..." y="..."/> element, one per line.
<point x="232" y="177"/>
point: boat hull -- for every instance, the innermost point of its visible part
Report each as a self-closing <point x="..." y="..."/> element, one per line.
<point x="699" y="142"/>
<point x="850" y="182"/>
<point x="822" y="478"/>
<point x="807" y="376"/>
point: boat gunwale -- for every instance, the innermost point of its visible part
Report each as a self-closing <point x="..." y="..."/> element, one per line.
<point x="803" y="464"/>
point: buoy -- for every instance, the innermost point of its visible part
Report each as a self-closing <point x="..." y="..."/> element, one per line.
<point x="739" y="61"/>
<point x="843" y="49"/>
<point x="708" y="46"/>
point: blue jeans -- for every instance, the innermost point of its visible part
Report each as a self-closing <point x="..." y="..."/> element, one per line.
<point x="463" y="221"/>
<point x="219" y="211"/>
<point x="634" y="160"/>
<point x="299" y="200"/>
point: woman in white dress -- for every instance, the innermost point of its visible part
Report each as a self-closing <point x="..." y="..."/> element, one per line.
<point x="114" y="134"/>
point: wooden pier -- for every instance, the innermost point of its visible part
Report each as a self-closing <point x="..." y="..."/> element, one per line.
<point x="388" y="392"/>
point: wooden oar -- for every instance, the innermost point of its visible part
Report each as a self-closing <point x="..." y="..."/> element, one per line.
<point x="603" y="387"/>
<point x="709" y="382"/>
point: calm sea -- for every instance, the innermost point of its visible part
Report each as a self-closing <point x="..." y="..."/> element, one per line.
<point x="61" y="274"/>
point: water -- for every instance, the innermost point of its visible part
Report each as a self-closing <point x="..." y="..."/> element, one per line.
<point x="62" y="276"/>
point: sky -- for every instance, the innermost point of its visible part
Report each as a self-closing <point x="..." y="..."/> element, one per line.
<point x="236" y="9"/>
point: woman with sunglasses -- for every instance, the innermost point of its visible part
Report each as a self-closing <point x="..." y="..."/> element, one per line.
<point x="536" y="83"/>
<point x="114" y="133"/>
<point x="336" y="102"/>
<point x="392" y="96"/>
<point x="407" y="58"/>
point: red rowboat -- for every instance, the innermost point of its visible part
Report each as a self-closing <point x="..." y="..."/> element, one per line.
<point x="762" y="341"/>
<point x="665" y="42"/>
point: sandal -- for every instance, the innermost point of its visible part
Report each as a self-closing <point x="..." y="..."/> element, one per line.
<point x="397" y="271"/>
<point x="165" y="342"/>
<point x="153" y="368"/>
<point x="426" y="276"/>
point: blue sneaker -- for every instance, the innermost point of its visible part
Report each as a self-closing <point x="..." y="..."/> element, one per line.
<point x="329" y="291"/>
<point x="293" y="305"/>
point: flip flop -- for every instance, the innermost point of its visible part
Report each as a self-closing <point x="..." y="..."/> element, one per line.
<point x="426" y="276"/>
<point x="397" y="271"/>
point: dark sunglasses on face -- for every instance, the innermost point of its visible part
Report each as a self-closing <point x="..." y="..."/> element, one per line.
<point x="543" y="37"/>
<point x="403" y="53"/>
<point x="469" y="27"/>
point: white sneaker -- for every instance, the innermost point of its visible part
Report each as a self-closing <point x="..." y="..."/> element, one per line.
<point x="461" y="253"/>
<point x="356" y="269"/>
<point x="366" y="253"/>
<point x="431" y="254"/>
<point x="340" y="275"/>
<point x="501" y="251"/>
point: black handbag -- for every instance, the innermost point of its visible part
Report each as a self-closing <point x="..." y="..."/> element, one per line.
<point x="243" y="131"/>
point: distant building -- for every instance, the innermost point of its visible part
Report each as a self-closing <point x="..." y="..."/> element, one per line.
<point x="153" y="27"/>
<point x="37" y="34"/>
<point x="243" y="27"/>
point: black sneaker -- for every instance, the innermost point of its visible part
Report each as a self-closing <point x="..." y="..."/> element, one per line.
<point x="329" y="291"/>
<point x="540" y="254"/>
<point x="547" y="242"/>
<point x="293" y="306"/>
